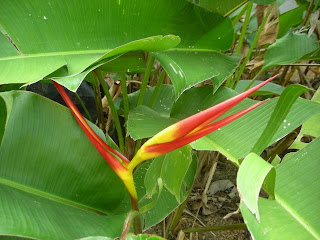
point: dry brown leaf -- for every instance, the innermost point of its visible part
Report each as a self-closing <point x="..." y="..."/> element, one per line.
<point x="314" y="24"/>
<point x="270" y="30"/>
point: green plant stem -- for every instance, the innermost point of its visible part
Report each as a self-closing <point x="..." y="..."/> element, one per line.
<point x="97" y="74"/>
<point x="97" y="98"/>
<point x="316" y="6"/>
<point x="244" y="27"/>
<point x="176" y="216"/>
<point x="234" y="9"/>
<point x="143" y="89"/>
<point x="216" y="228"/>
<point x="124" y="95"/>
<point x="157" y="88"/>
<point x="83" y="107"/>
<point x="145" y="80"/>
<point x="253" y="80"/>
<point x="234" y="22"/>
<point x="253" y="45"/>
<point x="125" y="99"/>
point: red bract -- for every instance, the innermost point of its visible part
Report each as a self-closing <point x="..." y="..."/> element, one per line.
<point x="169" y="139"/>
<point x="193" y="127"/>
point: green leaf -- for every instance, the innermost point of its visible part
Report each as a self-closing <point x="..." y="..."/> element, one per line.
<point x="290" y="19"/>
<point x="171" y="168"/>
<point x="294" y="212"/>
<point x="268" y="89"/>
<point x="143" y="237"/>
<point x="51" y="174"/>
<point x="223" y="8"/>
<point x="284" y="104"/>
<point x="167" y="202"/>
<point x="130" y="236"/>
<point x="163" y="102"/>
<point x="289" y="49"/>
<point x="189" y="68"/>
<point x="152" y="121"/>
<point x="310" y="128"/>
<point x="263" y="1"/>
<point x="131" y="62"/>
<point x="59" y="37"/>
<point x="252" y="173"/>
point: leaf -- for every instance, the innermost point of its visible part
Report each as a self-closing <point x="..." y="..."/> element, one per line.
<point x="290" y="19"/>
<point x="252" y="173"/>
<point x="294" y="212"/>
<point x="186" y="69"/>
<point x="284" y="104"/>
<point x="223" y="8"/>
<point x="310" y="128"/>
<point x="143" y="237"/>
<point x="263" y="1"/>
<point x="268" y="89"/>
<point x="131" y="62"/>
<point x="168" y="202"/>
<point x="51" y="174"/>
<point x="150" y="118"/>
<point x="163" y="102"/>
<point x="289" y="49"/>
<point x="130" y="236"/>
<point x="62" y="39"/>
<point x="171" y="168"/>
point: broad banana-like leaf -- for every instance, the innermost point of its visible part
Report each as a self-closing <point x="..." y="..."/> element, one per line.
<point x="294" y="214"/>
<point x="222" y="7"/>
<point x="55" y="185"/>
<point x="64" y="38"/>
<point x="52" y="180"/>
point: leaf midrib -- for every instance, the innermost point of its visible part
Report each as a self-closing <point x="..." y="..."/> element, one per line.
<point x="87" y="52"/>
<point x="296" y="217"/>
<point x="49" y="196"/>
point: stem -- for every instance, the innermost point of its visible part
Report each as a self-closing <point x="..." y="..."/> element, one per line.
<point x="143" y="91"/>
<point x="307" y="14"/>
<point x="253" y="80"/>
<point x="157" y="88"/>
<point x="127" y="224"/>
<point x="97" y="75"/>
<point x="145" y="79"/>
<point x="234" y="22"/>
<point x="176" y="217"/>
<point x="244" y="27"/>
<point x="137" y="146"/>
<point x="124" y="96"/>
<point x="255" y="40"/>
<point x="97" y="98"/>
<point x="83" y="107"/>
<point x="216" y="228"/>
<point x="235" y="8"/>
<point x="137" y="220"/>
<point x="125" y="103"/>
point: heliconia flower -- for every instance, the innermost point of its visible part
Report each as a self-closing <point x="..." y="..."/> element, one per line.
<point x="193" y="127"/>
<point x="115" y="160"/>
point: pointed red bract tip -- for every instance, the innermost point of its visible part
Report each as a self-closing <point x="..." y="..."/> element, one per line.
<point x="105" y="150"/>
